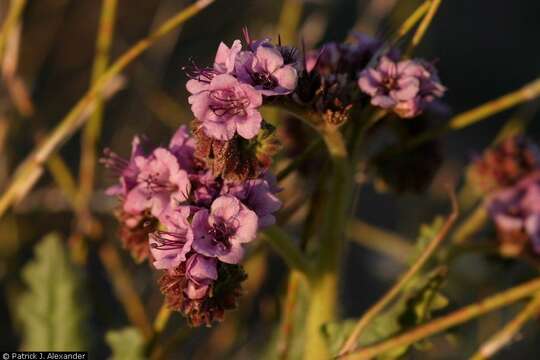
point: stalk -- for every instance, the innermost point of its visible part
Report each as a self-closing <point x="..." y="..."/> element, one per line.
<point x="324" y="282"/>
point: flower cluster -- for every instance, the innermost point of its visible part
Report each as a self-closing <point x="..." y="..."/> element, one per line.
<point x="226" y="97"/>
<point x="509" y="174"/>
<point x="193" y="224"/>
<point x="504" y="164"/>
<point x="192" y="206"/>
<point x="404" y="87"/>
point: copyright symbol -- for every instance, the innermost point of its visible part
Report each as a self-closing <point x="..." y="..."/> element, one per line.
<point x="5" y="356"/>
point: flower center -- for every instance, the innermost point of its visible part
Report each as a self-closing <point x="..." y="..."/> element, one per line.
<point x="228" y="102"/>
<point x="220" y="234"/>
<point x="264" y="79"/>
<point x="155" y="184"/>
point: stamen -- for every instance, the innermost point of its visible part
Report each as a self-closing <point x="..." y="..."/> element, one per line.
<point x="168" y="240"/>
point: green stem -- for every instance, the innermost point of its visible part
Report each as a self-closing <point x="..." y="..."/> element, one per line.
<point x="394" y="291"/>
<point x="324" y="282"/>
<point x="448" y="321"/>
<point x="28" y="173"/>
<point x="282" y="243"/>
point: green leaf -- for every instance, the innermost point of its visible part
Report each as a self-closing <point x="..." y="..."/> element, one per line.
<point x="126" y="344"/>
<point x="52" y="311"/>
<point x="426" y="235"/>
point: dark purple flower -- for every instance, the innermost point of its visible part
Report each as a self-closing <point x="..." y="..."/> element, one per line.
<point x="259" y="195"/>
<point x="516" y="210"/>
<point x="161" y="184"/>
<point x="404" y="87"/>
<point x="225" y="107"/>
<point x="201" y="272"/>
<point x="169" y="247"/>
<point x="266" y="70"/>
<point x="222" y="231"/>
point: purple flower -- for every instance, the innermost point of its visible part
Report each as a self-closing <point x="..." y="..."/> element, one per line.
<point x="126" y="169"/>
<point x="169" y="247"/>
<point x="161" y="184"/>
<point x="516" y="210"/>
<point x="205" y="188"/>
<point x="259" y="196"/>
<point x="266" y="70"/>
<point x="201" y="272"/>
<point x="404" y="87"/>
<point x="222" y="231"/>
<point x="226" y="57"/>
<point x="200" y="77"/>
<point x="226" y="106"/>
<point x="182" y="145"/>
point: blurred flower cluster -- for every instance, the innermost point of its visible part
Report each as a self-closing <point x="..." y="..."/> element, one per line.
<point x="509" y="174"/>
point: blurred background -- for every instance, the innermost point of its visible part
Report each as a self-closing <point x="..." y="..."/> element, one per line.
<point x="482" y="48"/>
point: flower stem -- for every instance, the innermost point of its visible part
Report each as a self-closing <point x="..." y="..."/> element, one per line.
<point x="32" y="168"/>
<point x="508" y="333"/>
<point x="422" y="28"/>
<point x="324" y="282"/>
<point x="366" y="319"/>
<point x="282" y="243"/>
<point x="15" y="10"/>
<point x="92" y="129"/>
<point x="472" y="225"/>
<point x="455" y="318"/>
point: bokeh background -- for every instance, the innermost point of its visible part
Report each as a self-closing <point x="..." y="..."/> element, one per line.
<point x="482" y="48"/>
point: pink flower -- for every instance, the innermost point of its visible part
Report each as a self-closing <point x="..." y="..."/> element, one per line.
<point x="161" y="184"/>
<point x="226" y="57"/>
<point x="126" y="170"/>
<point x="404" y="87"/>
<point x="516" y="209"/>
<point x="169" y="247"/>
<point x="227" y="106"/>
<point x="201" y="272"/>
<point x="222" y="231"/>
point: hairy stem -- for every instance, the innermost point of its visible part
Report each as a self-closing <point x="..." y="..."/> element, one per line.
<point x="324" y="282"/>
<point x="455" y="318"/>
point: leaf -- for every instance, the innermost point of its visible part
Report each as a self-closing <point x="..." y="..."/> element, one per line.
<point x="126" y="344"/>
<point x="51" y="311"/>
<point x="426" y="235"/>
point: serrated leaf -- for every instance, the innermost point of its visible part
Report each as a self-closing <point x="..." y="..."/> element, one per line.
<point x="52" y="314"/>
<point x="126" y="344"/>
